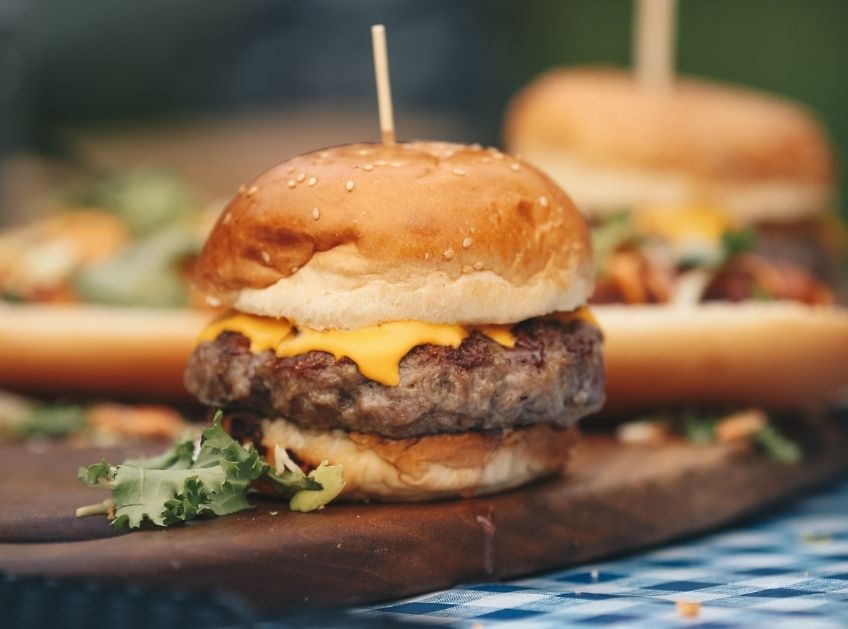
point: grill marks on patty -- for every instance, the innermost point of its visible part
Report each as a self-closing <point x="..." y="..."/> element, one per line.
<point x="553" y="375"/>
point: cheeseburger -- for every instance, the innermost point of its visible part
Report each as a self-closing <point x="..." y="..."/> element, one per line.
<point x="414" y="312"/>
<point x="712" y="216"/>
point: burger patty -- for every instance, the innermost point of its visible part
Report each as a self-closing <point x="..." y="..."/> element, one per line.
<point x="553" y="375"/>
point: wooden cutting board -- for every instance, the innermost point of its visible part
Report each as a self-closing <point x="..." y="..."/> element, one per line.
<point x="615" y="498"/>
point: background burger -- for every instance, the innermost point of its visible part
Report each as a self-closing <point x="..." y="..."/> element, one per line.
<point x="712" y="216"/>
<point x="412" y="311"/>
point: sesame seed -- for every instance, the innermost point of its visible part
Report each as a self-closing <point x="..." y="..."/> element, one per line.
<point x="467" y="268"/>
<point x="449" y="153"/>
<point x="316" y="213"/>
<point x="448" y="254"/>
<point x="325" y="154"/>
<point x="290" y="169"/>
<point x="427" y="255"/>
<point x="396" y="164"/>
<point x="543" y="201"/>
<point x="266" y="257"/>
<point x="478" y="266"/>
<point x="486" y="160"/>
<point x="212" y="302"/>
<point x="294" y="269"/>
<point x="312" y="181"/>
<point x="349" y="185"/>
<point x="515" y="167"/>
<point x="380" y="162"/>
<point x="368" y="167"/>
<point x="467" y="243"/>
<point x="300" y="177"/>
<point x="498" y="155"/>
<point x="477" y="146"/>
<point x="458" y="171"/>
<point x="227" y="218"/>
<point x="291" y="183"/>
<point x="252" y="190"/>
<point x="242" y="189"/>
<point x="363" y="152"/>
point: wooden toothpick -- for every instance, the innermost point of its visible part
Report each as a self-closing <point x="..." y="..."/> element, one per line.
<point x="384" y="88"/>
<point x="654" y="38"/>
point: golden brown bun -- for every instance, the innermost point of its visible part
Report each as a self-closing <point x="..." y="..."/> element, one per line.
<point x="615" y="143"/>
<point x="438" y="466"/>
<point x="128" y="352"/>
<point x="779" y="355"/>
<point x="358" y="235"/>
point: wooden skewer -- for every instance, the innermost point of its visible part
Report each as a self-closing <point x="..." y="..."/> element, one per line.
<point x="384" y="88"/>
<point x="654" y="38"/>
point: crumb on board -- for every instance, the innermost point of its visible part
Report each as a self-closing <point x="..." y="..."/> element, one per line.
<point x="740" y="426"/>
<point x="643" y="433"/>
<point x="688" y="609"/>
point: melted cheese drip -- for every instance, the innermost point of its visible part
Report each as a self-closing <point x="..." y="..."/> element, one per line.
<point x="264" y="333"/>
<point x="582" y="314"/>
<point x="682" y="224"/>
<point x="500" y="334"/>
<point x="377" y="351"/>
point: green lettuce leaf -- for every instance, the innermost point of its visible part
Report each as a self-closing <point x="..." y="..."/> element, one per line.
<point x="776" y="446"/>
<point x="614" y="232"/>
<point x="185" y="482"/>
<point x="96" y="474"/>
<point x="21" y="418"/>
<point x="330" y="477"/>
<point x="146" y="273"/>
<point x="738" y="241"/>
<point x="177" y="457"/>
<point x="141" y="494"/>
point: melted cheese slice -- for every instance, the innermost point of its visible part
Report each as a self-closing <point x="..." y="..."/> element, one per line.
<point x="500" y="334"/>
<point x="377" y="351"/>
<point x="581" y="314"/>
<point x="264" y="333"/>
<point x="683" y="224"/>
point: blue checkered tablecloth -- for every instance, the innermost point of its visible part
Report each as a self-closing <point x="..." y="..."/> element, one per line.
<point x="788" y="570"/>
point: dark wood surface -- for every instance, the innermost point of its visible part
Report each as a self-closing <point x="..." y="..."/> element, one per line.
<point x="615" y="498"/>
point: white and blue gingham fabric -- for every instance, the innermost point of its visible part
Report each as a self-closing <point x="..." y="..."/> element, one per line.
<point x="788" y="570"/>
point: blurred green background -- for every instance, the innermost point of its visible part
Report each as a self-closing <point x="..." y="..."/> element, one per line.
<point x="82" y="69"/>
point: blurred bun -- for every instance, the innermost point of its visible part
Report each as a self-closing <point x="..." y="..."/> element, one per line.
<point x="137" y="353"/>
<point x="439" y="466"/>
<point x="780" y="355"/>
<point x="612" y="144"/>
<point x="362" y="234"/>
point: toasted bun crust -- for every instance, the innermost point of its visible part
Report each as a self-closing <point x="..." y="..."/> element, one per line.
<point x="127" y="352"/>
<point x="438" y="466"/>
<point x="362" y="234"/>
<point x="774" y="355"/>
<point x="615" y="143"/>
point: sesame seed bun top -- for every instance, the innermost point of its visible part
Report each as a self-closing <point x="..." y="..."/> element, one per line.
<point x="361" y="234"/>
<point x="701" y="140"/>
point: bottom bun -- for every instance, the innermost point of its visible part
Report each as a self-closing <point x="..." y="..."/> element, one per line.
<point x="778" y="355"/>
<point x="603" y="190"/>
<point x="438" y="466"/>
